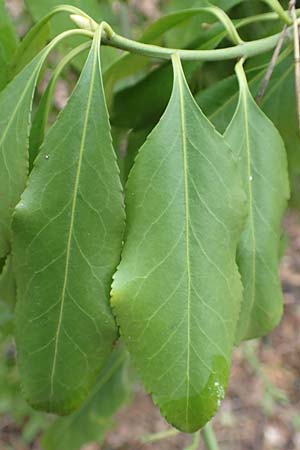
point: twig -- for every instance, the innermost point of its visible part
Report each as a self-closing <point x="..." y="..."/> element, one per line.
<point x="292" y="7"/>
<point x="267" y="77"/>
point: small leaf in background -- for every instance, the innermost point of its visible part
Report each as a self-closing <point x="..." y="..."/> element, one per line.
<point x="33" y="42"/>
<point x="15" y="112"/>
<point x="8" y="44"/>
<point x="263" y="166"/>
<point x="177" y="291"/>
<point x="94" y="418"/>
<point x="67" y="243"/>
<point x="182" y="36"/>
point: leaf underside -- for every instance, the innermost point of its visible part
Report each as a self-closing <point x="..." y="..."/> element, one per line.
<point x="177" y="291"/>
<point x="263" y="166"/>
<point x="67" y="239"/>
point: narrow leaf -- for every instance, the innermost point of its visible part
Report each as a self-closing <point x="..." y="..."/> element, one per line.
<point x="263" y="166"/>
<point x="91" y="421"/>
<point x="68" y="231"/>
<point x="15" y="110"/>
<point x="177" y="291"/>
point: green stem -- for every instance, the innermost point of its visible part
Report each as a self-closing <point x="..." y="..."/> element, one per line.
<point x="244" y="50"/>
<point x="149" y="438"/>
<point x="209" y="437"/>
<point x="276" y="6"/>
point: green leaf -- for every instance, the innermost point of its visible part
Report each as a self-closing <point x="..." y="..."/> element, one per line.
<point x="8" y="292"/>
<point x="68" y="232"/>
<point x="174" y="5"/>
<point x="177" y="292"/>
<point x="263" y="166"/>
<point x="34" y="41"/>
<point x="15" y="111"/>
<point x="190" y="30"/>
<point x="95" y="417"/>
<point x="8" y="44"/>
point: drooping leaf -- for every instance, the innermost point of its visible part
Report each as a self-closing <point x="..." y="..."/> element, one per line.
<point x="263" y="166"/>
<point x="177" y="292"/>
<point x="15" y="110"/>
<point x="67" y="239"/>
<point x="8" y="44"/>
<point x="91" y="421"/>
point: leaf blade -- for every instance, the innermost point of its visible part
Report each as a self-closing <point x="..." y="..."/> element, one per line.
<point x="84" y="224"/>
<point x="15" y="111"/>
<point x="265" y="180"/>
<point x="156" y="288"/>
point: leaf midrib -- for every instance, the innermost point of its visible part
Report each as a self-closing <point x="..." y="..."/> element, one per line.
<point x="187" y="238"/>
<point x="250" y="191"/>
<point x="71" y="227"/>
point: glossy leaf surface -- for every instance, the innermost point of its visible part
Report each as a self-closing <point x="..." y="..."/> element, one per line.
<point x="68" y="231"/>
<point x="15" y="110"/>
<point x="177" y="292"/>
<point x="263" y="166"/>
<point x="91" y="421"/>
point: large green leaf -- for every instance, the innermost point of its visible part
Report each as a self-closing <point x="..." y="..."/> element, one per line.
<point x="15" y="110"/>
<point x="263" y="166"/>
<point x="68" y="231"/>
<point x="8" y="44"/>
<point x="91" y="421"/>
<point x="177" y="291"/>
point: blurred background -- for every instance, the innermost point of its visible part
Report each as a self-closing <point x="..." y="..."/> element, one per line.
<point x="262" y="407"/>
